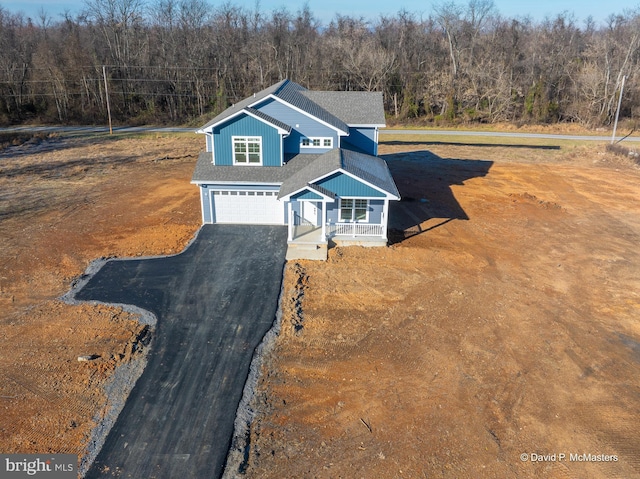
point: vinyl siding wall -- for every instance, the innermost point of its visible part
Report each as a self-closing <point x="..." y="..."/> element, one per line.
<point x="206" y="204"/>
<point x="245" y="125"/>
<point x="347" y="186"/>
<point x="363" y="139"/>
<point x="302" y="126"/>
<point x="306" y="195"/>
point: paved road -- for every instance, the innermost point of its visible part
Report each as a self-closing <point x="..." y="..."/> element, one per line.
<point x="214" y="303"/>
<point x="498" y="134"/>
<point x="96" y="129"/>
<point x="147" y="129"/>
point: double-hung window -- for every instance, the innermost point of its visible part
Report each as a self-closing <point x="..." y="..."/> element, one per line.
<point x="247" y="150"/>
<point x="353" y="209"/>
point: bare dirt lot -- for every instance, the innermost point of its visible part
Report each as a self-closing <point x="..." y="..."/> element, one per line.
<point x="512" y="329"/>
<point x="62" y="204"/>
<point x="504" y="320"/>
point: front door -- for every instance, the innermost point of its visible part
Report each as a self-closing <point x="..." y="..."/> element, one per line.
<point x="309" y="213"/>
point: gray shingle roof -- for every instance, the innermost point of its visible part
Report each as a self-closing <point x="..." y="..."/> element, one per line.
<point x="336" y="108"/>
<point x="372" y="169"/>
<point x="206" y="171"/>
<point x="322" y="190"/>
<point x="269" y="119"/>
<point x="300" y="171"/>
<point x="241" y="105"/>
<point x="294" y="94"/>
<point x="352" y="107"/>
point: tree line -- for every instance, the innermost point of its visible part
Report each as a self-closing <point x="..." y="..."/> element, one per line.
<point x="170" y="61"/>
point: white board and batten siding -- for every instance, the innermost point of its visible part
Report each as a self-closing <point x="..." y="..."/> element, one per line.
<point x="246" y="207"/>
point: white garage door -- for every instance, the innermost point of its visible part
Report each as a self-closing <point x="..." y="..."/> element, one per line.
<point x="248" y="207"/>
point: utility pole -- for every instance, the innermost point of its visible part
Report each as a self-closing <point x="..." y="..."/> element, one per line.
<point x="106" y="92"/>
<point x="615" y="123"/>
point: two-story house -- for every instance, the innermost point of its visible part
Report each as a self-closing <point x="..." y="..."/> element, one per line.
<point x="301" y="158"/>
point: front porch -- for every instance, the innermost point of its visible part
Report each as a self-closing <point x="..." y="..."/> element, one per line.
<point x="318" y="220"/>
<point x="308" y="241"/>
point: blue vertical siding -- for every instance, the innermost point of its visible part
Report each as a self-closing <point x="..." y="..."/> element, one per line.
<point x="245" y="125"/>
<point x="347" y="186"/>
<point x="364" y="139"/>
<point x="306" y="195"/>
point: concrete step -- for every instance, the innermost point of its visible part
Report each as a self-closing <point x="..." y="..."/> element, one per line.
<point x="315" y="251"/>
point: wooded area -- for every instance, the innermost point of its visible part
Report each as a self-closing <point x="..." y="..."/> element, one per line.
<point x="169" y="61"/>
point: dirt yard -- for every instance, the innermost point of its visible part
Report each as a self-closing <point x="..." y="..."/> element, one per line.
<point x="504" y="320"/>
<point x="511" y="329"/>
<point x="64" y="203"/>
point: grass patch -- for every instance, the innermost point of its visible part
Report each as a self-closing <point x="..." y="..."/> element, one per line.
<point x="505" y="149"/>
<point x="17" y="139"/>
<point x="624" y="152"/>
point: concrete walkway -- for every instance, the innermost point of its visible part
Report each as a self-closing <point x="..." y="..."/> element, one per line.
<point x="214" y="303"/>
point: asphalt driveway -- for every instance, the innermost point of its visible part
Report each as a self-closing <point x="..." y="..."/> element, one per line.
<point x="214" y="303"/>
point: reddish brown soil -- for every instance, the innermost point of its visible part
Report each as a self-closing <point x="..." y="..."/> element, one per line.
<point x="455" y="351"/>
<point x="511" y="328"/>
<point x="62" y="204"/>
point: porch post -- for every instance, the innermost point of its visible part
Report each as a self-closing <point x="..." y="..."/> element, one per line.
<point x="385" y="218"/>
<point x="290" y="221"/>
<point x="324" y="220"/>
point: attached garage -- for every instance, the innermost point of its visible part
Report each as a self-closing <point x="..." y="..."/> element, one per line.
<point x="247" y="207"/>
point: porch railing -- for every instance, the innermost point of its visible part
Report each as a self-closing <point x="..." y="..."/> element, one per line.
<point x="354" y="229"/>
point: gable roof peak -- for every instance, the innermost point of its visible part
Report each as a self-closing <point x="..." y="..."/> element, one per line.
<point x="371" y="169"/>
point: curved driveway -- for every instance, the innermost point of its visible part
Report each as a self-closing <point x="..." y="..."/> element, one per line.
<point x="214" y="303"/>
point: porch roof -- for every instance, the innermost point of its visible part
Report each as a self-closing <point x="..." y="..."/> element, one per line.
<point x="371" y="169"/>
<point x="311" y="192"/>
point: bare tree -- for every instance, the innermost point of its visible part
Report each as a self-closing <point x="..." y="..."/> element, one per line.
<point x="173" y="60"/>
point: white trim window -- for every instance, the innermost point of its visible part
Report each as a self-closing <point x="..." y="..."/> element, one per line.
<point x="247" y="150"/>
<point x="354" y="210"/>
<point x="322" y="142"/>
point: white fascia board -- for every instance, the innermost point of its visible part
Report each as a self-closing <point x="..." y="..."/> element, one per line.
<point x="366" y="126"/>
<point x="361" y="180"/>
<point x="243" y="183"/>
<point x="325" y="198"/>
<point x="306" y="113"/>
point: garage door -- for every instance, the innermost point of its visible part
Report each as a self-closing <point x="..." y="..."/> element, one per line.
<point x="249" y="207"/>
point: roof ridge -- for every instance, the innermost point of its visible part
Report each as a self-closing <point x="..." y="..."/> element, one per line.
<point x="294" y="94"/>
